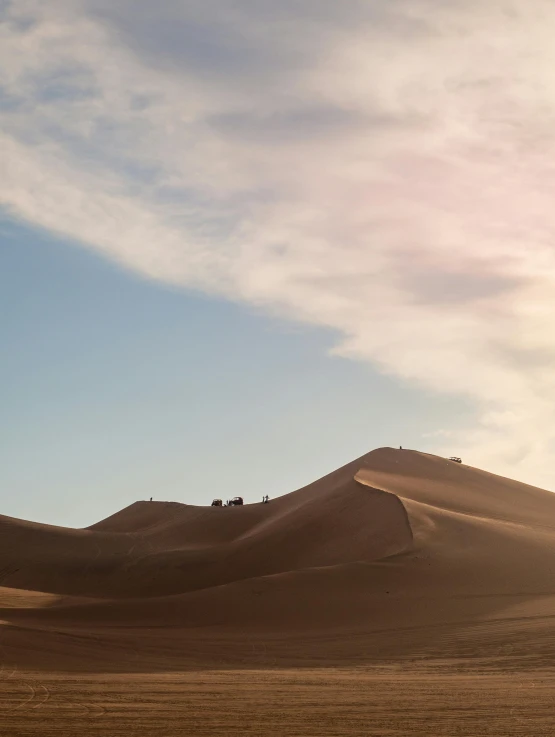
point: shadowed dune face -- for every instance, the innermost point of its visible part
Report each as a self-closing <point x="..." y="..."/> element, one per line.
<point x="394" y="554"/>
<point x="156" y="548"/>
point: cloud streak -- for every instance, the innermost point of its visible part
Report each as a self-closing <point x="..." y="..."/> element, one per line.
<point x="383" y="171"/>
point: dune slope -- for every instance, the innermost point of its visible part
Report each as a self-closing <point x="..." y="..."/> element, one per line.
<point x="156" y="548"/>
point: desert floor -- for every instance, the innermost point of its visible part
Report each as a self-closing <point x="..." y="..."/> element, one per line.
<point x="446" y="698"/>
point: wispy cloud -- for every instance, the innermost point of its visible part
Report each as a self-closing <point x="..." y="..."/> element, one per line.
<point x="382" y="169"/>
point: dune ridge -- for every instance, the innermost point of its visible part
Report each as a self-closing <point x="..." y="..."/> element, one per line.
<point x="157" y="548"/>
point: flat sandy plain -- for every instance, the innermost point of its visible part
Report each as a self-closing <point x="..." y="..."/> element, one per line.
<point x="400" y="595"/>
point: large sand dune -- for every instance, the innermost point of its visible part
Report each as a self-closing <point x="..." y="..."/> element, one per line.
<point x="396" y="553"/>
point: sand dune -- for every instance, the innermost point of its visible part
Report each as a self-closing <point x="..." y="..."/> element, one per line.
<point x="156" y="548"/>
<point x="397" y="553"/>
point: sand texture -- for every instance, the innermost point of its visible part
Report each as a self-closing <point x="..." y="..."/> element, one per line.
<point x="402" y="594"/>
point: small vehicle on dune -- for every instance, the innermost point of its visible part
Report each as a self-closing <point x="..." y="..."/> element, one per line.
<point x="237" y="501"/>
<point x="454" y="458"/>
<point x="217" y="503"/>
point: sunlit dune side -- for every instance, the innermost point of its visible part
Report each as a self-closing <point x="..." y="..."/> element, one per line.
<point x="480" y="533"/>
<point x="396" y="553"/>
<point x="21" y="598"/>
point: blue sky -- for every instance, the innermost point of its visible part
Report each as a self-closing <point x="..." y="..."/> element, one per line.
<point x="247" y="229"/>
<point x="115" y="388"/>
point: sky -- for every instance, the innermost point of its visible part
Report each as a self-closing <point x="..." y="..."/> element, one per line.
<point x="244" y="242"/>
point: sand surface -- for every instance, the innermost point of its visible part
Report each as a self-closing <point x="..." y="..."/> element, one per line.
<point x="402" y="594"/>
